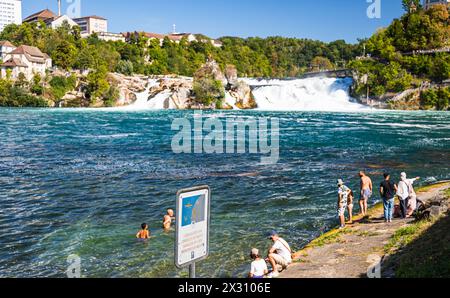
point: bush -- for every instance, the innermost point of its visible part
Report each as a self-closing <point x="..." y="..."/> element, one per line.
<point x="208" y="90"/>
<point x="438" y="99"/>
<point x="19" y="97"/>
<point x="125" y="67"/>
<point x="61" y="85"/>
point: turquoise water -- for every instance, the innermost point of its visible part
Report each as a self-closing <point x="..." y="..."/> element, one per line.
<point x="82" y="181"/>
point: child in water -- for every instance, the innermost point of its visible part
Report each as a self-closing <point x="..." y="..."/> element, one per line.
<point x="144" y="233"/>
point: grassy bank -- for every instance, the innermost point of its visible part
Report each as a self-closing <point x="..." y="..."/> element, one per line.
<point x="421" y="250"/>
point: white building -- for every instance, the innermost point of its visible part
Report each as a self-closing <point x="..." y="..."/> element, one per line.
<point x="57" y="22"/>
<point x="10" y="13"/>
<point x="5" y="48"/>
<point x="92" y="24"/>
<point x="428" y="3"/>
<point x="108" y="36"/>
<point x="27" y="60"/>
<point x="50" y="19"/>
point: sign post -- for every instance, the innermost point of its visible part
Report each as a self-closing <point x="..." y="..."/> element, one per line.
<point x="192" y="227"/>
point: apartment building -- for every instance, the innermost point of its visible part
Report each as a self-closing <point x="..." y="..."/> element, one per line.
<point x="10" y="13"/>
<point x="92" y="24"/>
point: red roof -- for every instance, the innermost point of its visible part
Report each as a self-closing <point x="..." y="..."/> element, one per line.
<point x="14" y="63"/>
<point x="5" y="43"/>
<point x="43" y="14"/>
<point x="33" y="54"/>
<point x="153" y="35"/>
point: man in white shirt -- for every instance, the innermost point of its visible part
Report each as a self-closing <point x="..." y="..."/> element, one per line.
<point x="279" y="254"/>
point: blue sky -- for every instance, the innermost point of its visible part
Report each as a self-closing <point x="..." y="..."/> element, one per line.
<point x="325" y="20"/>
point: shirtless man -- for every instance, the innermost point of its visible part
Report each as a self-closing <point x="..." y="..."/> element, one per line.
<point x="167" y="222"/>
<point x="366" y="192"/>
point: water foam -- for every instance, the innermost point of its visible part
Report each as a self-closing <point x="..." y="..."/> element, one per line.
<point x="312" y="94"/>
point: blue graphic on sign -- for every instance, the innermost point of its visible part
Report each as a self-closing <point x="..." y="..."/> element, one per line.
<point x="193" y="210"/>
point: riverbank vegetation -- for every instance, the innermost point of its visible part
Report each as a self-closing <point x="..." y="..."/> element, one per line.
<point x="412" y="52"/>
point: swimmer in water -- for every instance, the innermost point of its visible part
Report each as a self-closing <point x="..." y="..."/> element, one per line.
<point x="168" y="218"/>
<point x="144" y="233"/>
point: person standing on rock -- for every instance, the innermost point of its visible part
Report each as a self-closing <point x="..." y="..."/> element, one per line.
<point x="406" y="189"/>
<point x="403" y="195"/>
<point x="366" y="192"/>
<point x="343" y="193"/>
<point x="388" y="189"/>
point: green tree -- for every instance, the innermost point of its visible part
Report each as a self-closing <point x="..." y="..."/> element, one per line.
<point x="65" y="55"/>
<point x="97" y="84"/>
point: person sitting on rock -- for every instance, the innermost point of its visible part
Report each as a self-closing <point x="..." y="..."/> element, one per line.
<point x="279" y="254"/>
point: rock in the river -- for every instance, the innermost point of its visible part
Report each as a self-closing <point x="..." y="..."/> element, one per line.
<point x="211" y="69"/>
<point x="128" y="86"/>
<point x="243" y="95"/>
<point x="231" y="74"/>
<point x="180" y="89"/>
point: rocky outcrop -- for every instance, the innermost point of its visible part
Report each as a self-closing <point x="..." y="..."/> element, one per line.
<point x="432" y="208"/>
<point x="242" y="92"/>
<point x="406" y="100"/>
<point x="128" y="86"/>
<point x="180" y="89"/>
<point x="231" y="74"/>
<point x="211" y="69"/>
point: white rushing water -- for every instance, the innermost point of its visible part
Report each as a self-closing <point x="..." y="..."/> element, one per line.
<point x="143" y="102"/>
<point x="313" y="94"/>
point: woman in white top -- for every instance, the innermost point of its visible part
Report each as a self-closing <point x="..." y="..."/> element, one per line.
<point x="412" y="202"/>
<point x="406" y="192"/>
<point x="259" y="267"/>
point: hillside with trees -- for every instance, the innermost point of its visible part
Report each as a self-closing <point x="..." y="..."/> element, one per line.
<point x="252" y="57"/>
<point x="413" y="52"/>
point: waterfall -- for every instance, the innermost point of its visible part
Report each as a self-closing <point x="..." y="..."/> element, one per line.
<point x="312" y="94"/>
<point x="143" y="102"/>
